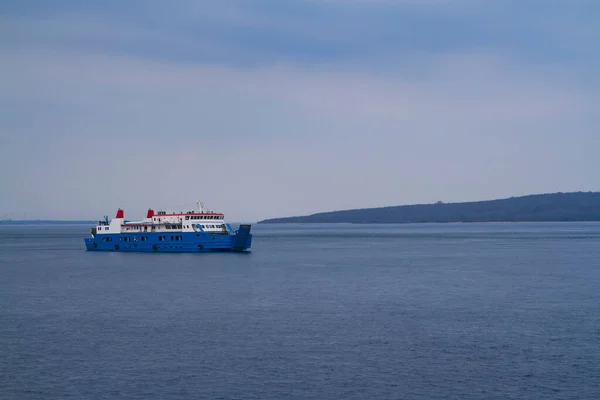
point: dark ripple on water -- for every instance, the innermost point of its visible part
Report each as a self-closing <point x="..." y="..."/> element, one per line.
<point x="484" y="311"/>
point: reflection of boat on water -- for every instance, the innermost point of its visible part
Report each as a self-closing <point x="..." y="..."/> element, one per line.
<point x="183" y="232"/>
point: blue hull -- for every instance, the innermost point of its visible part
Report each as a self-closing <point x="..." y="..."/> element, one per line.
<point x="176" y="242"/>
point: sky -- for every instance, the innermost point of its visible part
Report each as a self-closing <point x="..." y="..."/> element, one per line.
<point x="272" y="108"/>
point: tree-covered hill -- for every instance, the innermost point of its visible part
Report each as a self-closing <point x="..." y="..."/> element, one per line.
<point x="575" y="206"/>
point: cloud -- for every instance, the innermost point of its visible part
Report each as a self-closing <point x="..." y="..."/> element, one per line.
<point x="306" y="139"/>
<point x="383" y="104"/>
<point x="376" y="35"/>
<point x="453" y="88"/>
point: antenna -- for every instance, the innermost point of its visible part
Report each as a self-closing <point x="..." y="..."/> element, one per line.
<point x="200" y="206"/>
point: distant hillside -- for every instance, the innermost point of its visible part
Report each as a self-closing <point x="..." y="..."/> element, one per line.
<point x="577" y="206"/>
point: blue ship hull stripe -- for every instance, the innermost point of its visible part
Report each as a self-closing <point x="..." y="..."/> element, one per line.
<point x="177" y="242"/>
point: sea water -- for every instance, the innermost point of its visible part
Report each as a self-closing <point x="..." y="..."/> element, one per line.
<point x="454" y="311"/>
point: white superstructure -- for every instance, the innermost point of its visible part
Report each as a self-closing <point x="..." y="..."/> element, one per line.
<point x="169" y="222"/>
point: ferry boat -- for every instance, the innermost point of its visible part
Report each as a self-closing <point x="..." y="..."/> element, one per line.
<point x="184" y="232"/>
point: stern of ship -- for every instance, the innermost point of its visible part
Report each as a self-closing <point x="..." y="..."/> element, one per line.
<point x="243" y="238"/>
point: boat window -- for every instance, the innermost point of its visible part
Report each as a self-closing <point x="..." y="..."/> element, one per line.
<point x="187" y="217"/>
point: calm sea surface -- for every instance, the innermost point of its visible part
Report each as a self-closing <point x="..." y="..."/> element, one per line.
<point x="459" y="311"/>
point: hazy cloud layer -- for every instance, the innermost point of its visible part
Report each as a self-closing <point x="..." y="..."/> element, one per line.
<point x="272" y="108"/>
